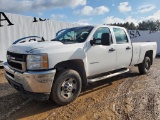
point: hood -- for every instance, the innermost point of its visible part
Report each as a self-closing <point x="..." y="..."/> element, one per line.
<point x="30" y="48"/>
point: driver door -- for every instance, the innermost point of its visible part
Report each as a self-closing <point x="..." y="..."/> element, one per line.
<point x="101" y="58"/>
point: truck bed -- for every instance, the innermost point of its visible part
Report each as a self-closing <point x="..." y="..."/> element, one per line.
<point x="139" y="51"/>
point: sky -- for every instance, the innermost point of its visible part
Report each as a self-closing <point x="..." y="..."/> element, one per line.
<point x="86" y="11"/>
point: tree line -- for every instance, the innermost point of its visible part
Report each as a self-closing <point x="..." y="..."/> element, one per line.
<point x="144" y="25"/>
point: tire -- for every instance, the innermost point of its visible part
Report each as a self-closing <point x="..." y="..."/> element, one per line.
<point x="145" y="65"/>
<point x="66" y="87"/>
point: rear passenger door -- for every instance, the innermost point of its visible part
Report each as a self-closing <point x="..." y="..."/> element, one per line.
<point x="123" y="48"/>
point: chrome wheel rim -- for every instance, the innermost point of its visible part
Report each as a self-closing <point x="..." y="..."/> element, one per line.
<point x="147" y="64"/>
<point x="68" y="88"/>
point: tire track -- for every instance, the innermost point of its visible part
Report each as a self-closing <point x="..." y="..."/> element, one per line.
<point x="14" y="109"/>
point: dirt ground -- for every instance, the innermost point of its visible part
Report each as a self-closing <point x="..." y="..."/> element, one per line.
<point x="130" y="96"/>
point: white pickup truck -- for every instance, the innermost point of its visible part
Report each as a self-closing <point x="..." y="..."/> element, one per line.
<point x="58" y="69"/>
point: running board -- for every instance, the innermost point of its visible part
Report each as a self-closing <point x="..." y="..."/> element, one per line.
<point x="107" y="76"/>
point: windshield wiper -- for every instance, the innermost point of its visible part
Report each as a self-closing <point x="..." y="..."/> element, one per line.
<point x="53" y="40"/>
<point x="69" y="42"/>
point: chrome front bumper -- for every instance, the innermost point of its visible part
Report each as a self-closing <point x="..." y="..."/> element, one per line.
<point x="31" y="81"/>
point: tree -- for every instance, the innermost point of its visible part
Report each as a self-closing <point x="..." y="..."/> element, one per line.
<point x="132" y="26"/>
<point x="144" y="25"/>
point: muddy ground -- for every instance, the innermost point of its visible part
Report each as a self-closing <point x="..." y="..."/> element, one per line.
<point x="130" y="96"/>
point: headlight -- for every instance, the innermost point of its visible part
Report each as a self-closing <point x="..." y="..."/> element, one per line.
<point x="37" y="62"/>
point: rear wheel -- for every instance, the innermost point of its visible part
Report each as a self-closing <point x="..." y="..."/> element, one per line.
<point x="145" y="65"/>
<point x="66" y="87"/>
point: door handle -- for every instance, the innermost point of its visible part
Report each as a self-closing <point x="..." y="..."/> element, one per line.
<point x="112" y="49"/>
<point x="127" y="48"/>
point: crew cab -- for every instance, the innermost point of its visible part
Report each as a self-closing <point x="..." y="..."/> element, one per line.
<point x="58" y="69"/>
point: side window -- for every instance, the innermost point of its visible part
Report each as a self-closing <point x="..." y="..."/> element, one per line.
<point x="98" y="34"/>
<point x="120" y="35"/>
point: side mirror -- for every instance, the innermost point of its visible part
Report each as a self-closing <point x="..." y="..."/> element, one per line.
<point x="92" y="42"/>
<point x="95" y="41"/>
<point x="106" y="39"/>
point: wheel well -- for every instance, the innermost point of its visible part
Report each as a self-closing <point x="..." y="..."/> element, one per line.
<point x="76" y="65"/>
<point x="150" y="55"/>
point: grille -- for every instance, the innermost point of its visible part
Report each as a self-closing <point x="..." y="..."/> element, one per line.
<point x="16" y="61"/>
<point x="15" y="65"/>
<point x="18" y="57"/>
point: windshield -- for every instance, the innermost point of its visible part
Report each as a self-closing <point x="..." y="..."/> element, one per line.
<point x="74" y="35"/>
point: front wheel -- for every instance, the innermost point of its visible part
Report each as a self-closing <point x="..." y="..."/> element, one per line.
<point x="66" y="87"/>
<point x="145" y="65"/>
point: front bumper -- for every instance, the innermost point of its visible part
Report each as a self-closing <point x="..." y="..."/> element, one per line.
<point x="38" y="82"/>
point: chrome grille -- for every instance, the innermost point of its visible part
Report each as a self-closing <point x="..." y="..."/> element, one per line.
<point x="16" y="61"/>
